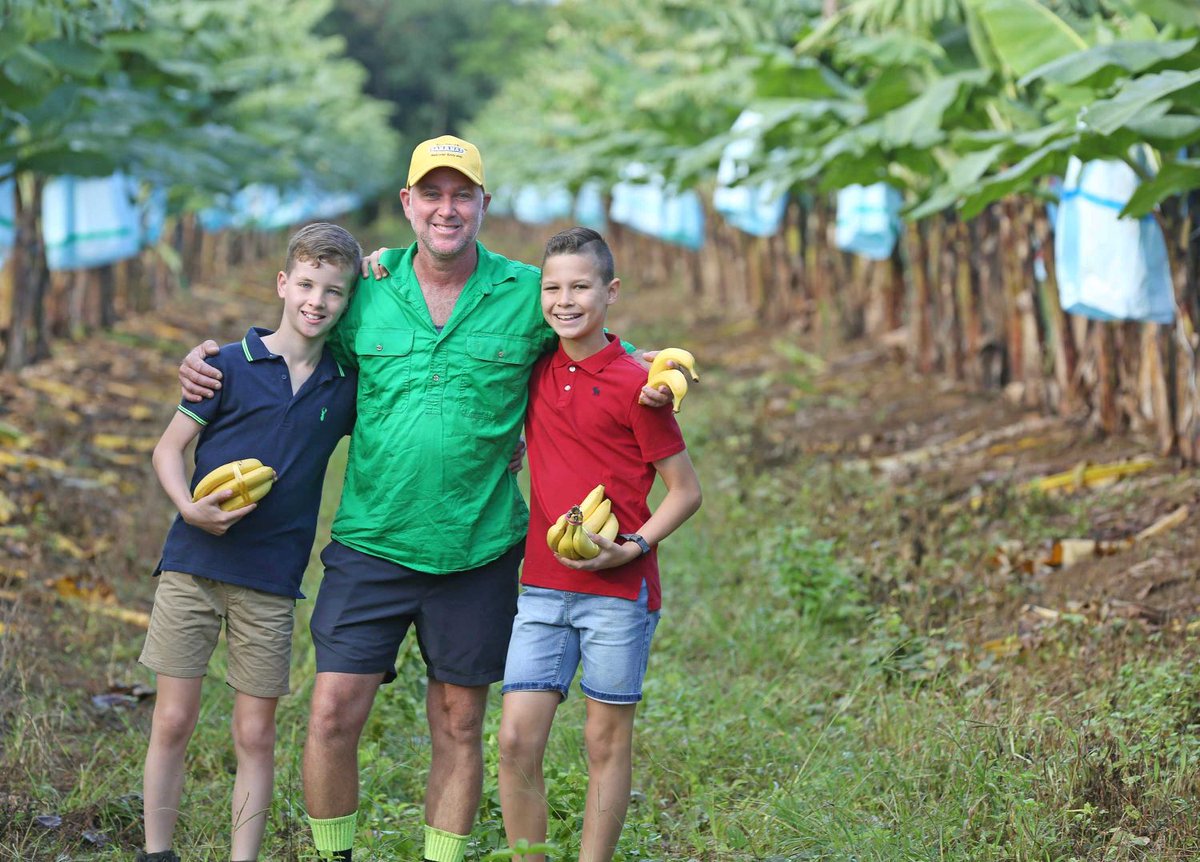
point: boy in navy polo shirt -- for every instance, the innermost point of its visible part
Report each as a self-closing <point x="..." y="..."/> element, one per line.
<point x="584" y="427"/>
<point x="286" y="402"/>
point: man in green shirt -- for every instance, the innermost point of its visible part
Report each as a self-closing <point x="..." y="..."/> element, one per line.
<point x="430" y="526"/>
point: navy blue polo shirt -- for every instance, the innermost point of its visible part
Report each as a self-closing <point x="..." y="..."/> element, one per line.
<point x="255" y="415"/>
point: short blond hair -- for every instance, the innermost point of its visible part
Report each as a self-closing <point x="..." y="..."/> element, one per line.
<point x="324" y="243"/>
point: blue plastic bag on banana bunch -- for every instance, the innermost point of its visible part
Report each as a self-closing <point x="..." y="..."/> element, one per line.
<point x="868" y="220"/>
<point x="589" y="207"/>
<point x="643" y="202"/>
<point x="755" y="209"/>
<point x="1109" y="268"/>
<point x="90" y="222"/>
<point x="541" y="204"/>
<point x="8" y="215"/>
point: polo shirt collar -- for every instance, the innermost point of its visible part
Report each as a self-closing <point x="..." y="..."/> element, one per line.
<point x="252" y="344"/>
<point x="254" y="350"/>
<point x="595" y="363"/>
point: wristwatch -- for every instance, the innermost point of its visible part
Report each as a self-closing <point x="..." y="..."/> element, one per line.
<point x="637" y="540"/>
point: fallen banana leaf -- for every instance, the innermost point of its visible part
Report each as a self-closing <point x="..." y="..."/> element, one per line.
<point x="1005" y="647"/>
<point x="1068" y="552"/>
<point x="122" y="442"/>
<point x="62" y="394"/>
<point x="1086" y="475"/>
<point x="1163" y="524"/>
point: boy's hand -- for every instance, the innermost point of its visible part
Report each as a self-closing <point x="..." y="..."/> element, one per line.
<point x="197" y="379"/>
<point x="372" y="267"/>
<point x="655" y="396"/>
<point x="206" y="513"/>
<point x="611" y="555"/>
<point x="517" y="461"/>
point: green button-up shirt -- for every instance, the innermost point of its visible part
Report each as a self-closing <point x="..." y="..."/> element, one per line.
<point x="439" y="414"/>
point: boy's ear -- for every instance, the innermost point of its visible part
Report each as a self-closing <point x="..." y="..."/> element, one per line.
<point x="614" y="288"/>
<point x="280" y="282"/>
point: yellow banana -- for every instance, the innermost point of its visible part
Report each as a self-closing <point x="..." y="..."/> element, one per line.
<point x="591" y="501"/>
<point x="682" y="358"/>
<point x="555" y="534"/>
<point x="566" y="545"/>
<point x="223" y="474"/>
<point x="595" y="521"/>
<point x="584" y="546"/>
<point x="248" y="487"/>
<point x="610" y="528"/>
<point x="672" y="378"/>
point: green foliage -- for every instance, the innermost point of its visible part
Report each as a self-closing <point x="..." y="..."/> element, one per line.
<point x="813" y="575"/>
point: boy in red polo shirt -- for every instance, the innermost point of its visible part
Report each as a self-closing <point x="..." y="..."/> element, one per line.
<point x="584" y="427"/>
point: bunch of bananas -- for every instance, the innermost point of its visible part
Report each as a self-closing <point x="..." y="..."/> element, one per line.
<point x="568" y="536"/>
<point x="248" y="479"/>
<point x="673" y="378"/>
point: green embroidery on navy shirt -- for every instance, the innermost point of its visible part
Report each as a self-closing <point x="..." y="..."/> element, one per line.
<point x="324" y="410"/>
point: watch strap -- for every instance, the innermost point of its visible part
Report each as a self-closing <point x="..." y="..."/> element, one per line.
<point x="637" y="540"/>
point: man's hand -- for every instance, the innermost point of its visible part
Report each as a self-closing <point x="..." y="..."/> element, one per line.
<point x="611" y="555"/>
<point x="372" y="267"/>
<point x="518" y="457"/>
<point x="206" y="513"/>
<point x="197" y="379"/>
<point x="651" y="396"/>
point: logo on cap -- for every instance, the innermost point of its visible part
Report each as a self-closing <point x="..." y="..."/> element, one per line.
<point x="440" y="149"/>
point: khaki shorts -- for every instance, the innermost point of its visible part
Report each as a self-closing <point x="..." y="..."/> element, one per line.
<point x="186" y="622"/>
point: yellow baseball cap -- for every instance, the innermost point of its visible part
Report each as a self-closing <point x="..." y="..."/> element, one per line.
<point x="446" y="152"/>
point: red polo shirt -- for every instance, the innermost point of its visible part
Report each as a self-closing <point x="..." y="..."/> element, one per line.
<point x="584" y="427"/>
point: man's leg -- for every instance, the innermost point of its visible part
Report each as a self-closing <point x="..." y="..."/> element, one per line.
<point x="608" y="733"/>
<point x="341" y="703"/>
<point x="254" y="742"/>
<point x="176" y="708"/>
<point x="455" y="715"/>
<point x="524" y="728"/>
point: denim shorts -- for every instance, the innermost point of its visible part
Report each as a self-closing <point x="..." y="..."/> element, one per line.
<point x="555" y="630"/>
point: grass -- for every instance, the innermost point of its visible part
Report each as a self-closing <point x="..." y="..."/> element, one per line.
<point x="814" y="694"/>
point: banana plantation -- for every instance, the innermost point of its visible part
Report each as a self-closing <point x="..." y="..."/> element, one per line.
<point x="938" y="262"/>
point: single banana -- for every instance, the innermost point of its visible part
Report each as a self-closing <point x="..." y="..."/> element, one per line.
<point x="223" y="474"/>
<point x="591" y="501"/>
<point x="555" y="534"/>
<point x="672" y="378"/>
<point x="251" y="488"/>
<point x="595" y="521"/>
<point x="682" y="358"/>
<point x="610" y="528"/>
<point x="566" y="545"/>
<point x="584" y="546"/>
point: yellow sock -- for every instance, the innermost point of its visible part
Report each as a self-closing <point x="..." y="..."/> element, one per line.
<point x="334" y="835"/>
<point x="443" y="846"/>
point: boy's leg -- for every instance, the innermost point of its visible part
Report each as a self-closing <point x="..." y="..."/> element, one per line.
<point x="608" y="733"/>
<point x="525" y="722"/>
<point x="254" y="742"/>
<point x="176" y="708"/>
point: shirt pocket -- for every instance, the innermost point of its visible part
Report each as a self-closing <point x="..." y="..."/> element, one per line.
<point x="494" y="376"/>
<point x="385" y="369"/>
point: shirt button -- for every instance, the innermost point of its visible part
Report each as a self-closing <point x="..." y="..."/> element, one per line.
<point x="571" y="368"/>
<point x="283" y="377"/>
<point x="500" y="353"/>
<point x="379" y="347"/>
<point x="567" y="387"/>
<point x="436" y="378"/>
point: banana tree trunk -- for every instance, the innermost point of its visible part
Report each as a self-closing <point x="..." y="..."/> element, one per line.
<point x="31" y="276"/>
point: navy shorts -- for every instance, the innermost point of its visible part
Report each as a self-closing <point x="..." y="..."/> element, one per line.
<point x="366" y="604"/>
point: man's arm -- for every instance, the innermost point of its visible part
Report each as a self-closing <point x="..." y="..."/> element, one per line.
<point x="197" y="379"/>
<point x="206" y="513"/>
